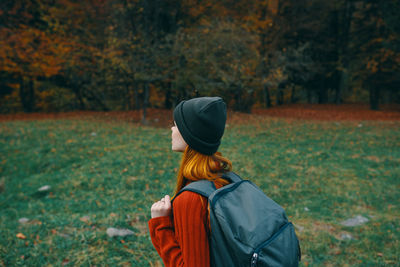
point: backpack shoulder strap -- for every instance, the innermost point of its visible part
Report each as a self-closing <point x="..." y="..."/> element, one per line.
<point x="205" y="187"/>
<point x="202" y="187"/>
<point x="231" y="176"/>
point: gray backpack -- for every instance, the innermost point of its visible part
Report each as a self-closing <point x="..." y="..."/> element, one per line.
<point x="247" y="227"/>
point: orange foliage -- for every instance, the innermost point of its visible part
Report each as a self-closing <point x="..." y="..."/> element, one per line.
<point x="30" y="52"/>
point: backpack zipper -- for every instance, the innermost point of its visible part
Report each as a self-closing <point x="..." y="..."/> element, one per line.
<point x="222" y="192"/>
<point x="254" y="258"/>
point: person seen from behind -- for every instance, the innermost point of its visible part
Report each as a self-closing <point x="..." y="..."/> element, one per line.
<point x="180" y="232"/>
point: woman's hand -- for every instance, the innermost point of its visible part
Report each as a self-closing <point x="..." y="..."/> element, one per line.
<point x="161" y="208"/>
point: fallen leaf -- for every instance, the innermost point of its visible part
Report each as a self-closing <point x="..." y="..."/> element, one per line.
<point x="35" y="222"/>
<point x="65" y="262"/>
<point x="130" y="251"/>
<point x="374" y="158"/>
<point x="132" y="178"/>
<point x="21" y="236"/>
<point x="84" y="218"/>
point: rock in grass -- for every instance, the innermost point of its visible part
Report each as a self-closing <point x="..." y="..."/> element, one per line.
<point x="299" y="227"/>
<point x="346" y="236"/>
<point x="111" y="232"/>
<point x="355" y="221"/>
<point x="23" y="220"/>
<point x="44" y="188"/>
<point x="41" y="191"/>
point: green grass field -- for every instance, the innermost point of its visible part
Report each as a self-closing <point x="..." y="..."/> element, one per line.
<point x="107" y="174"/>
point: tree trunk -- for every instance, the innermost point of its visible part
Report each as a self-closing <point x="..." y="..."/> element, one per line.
<point x="309" y="96"/>
<point x="374" y="95"/>
<point x="293" y="95"/>
<point x="168" y="101"/>
<point x="97" y="100"/>
<point x="267" y="97"/>
<point x="27" y="94"/>
<point x="78" y="94"/>
<point x="127" y="98"/>
<point x="322" y="92"/>
<point x="279" y="97"/>
<point x="343" y="86"/>
<point x="238" y="98"/>
<point x="280" y="94"/>
<point x="136" y="97"/>
<point x="273" y="7"/>
<point x="145" y="103"/>
<point x="343" y="50"/>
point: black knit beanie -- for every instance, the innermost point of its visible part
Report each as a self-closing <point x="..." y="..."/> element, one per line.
<point x="201" y="122"/>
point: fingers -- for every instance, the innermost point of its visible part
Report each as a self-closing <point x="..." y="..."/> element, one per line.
<point x="162" y="207"/>
<point x="166" y="198"/>
<point x="167" y="202"/>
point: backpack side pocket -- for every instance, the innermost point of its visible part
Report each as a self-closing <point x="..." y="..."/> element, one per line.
<point x="282" y="249"/>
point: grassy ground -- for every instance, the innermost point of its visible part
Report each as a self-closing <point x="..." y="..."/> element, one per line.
<point x="107" y="174"/>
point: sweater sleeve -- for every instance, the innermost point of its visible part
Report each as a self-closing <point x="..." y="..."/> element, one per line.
<point x="183" y="242"/>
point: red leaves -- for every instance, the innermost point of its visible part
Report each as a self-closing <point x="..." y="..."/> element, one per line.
<point x="329" y="112"/>
<point x="162" y="117"/>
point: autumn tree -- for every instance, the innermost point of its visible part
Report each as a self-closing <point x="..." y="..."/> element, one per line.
<point x="376" y="51"/>
<point x="220" y="58"/>
<point x="29" y="52"/>
<point x="121" y="54"/>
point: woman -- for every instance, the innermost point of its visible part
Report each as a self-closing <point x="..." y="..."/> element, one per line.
<point x="180" y="233"/>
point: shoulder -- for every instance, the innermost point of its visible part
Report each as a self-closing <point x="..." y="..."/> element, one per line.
<point x="189" y="208"/>
<point x="189" y="200"/>
<point x="188" y="197"/>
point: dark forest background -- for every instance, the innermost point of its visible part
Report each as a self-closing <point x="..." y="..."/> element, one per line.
<point x="132" y="54"/>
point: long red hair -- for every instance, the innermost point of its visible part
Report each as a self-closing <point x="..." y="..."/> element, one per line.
<point x="196" y="166"/>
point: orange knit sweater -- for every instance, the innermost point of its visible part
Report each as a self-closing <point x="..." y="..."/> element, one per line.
<point x="182" y="239"/>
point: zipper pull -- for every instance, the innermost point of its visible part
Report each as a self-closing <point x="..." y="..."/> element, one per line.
<point x="254" y="259"/>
